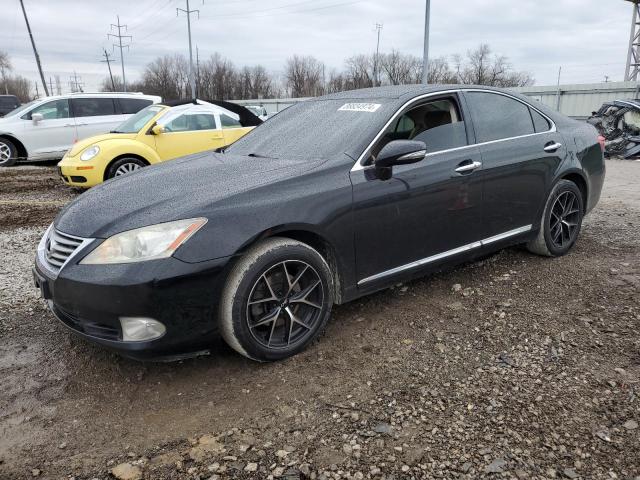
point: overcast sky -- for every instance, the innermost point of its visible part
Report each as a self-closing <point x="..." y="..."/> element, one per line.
<point x="588" y="38"/>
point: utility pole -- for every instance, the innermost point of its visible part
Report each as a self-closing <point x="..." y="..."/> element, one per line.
<point x="37" y="92"/>
<point x="35" y="50"/>
<point x="558" y="91"/>
<point x="633" y="51"/>
<point x="197" y="71"/>
<point x="75" y="83"/>
<point x="425" y="56"/>
<point x="376" y="63"/>
<point x="192" y="79"/>
<point x="119" y="36"/>
<point x="50" y="85"/>
<point x="108" y="62"/>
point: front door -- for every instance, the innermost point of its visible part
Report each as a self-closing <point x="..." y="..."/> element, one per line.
<point x="52" y="136"/>
<point x="190" y="132"/>
<point x="520" y="153"/>
<point x="428" y="211"/>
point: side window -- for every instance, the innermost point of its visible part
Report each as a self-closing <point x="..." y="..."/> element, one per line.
<point x="132" y="105"/>
<point x="92" y="107"/>
<point x="202" y="121"/>
<point x="436" y="123"/>
<point x="50" y="110"/>
<point x="540" y="123"/>
<point x="496" y="116"/>
<point x="178" y="124"/>
<point x="229" y="122"/>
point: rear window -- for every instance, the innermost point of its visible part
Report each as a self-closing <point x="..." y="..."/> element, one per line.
<point x="132" y="105"/>
<point x="496" y="117"/>
<point x="92" y="107"/>
<point x="540" y="123"/>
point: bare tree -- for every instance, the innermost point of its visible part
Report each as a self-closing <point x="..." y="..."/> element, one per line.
<point x="401" y="69"/>
<point x="304" y="76"/>
<point x="359" y="72"/>
<point x="5" y="66"/>
<point x="483" y="68"/>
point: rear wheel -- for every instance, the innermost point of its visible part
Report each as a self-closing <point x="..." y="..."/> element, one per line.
<point x="125" y="165"/>
<point x="8" y="153"/>
<point x="561" y="221"/>
<point x="277" y="300"/>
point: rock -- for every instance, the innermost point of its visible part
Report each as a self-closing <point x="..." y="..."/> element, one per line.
<point x="126" y="471"/>
<point x="497" y="466"/>
<point x="251" y="467"/>
<point x="603" y="434"/>
<point x="570" y="473"/>
<point x="169" y="458"/>
<point x="207" y="446"/>
<point x="347" y="449"/>
<point x="277" y="472"/>
<point x="374" y="471"/>
<point x="630" y="425"/>
<point x="35" y="472"/>
<point x="281" y="453"/>
<point x="405" y="468"/>
<point x="456" y="287"/>
<point x="62" y="446"/>
<point x="384" y="428"/>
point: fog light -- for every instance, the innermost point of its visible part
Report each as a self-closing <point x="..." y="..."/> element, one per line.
<point x="138" y="329"/>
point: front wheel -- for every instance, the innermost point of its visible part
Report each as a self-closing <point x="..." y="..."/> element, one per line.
<point x="277" y="300"/>
<point x="125" y="165"/>
<point x="561" y="221"/>
<point x="8" y="153"/>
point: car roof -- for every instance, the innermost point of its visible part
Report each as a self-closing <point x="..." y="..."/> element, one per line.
<point x="155" y="98"/>
<point x="394" y="92"/>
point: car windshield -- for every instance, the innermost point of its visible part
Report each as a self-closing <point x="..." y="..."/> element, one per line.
<point x="22" y="108"/>
<point x="320" y="129"/>
<point x="139" y="120"/>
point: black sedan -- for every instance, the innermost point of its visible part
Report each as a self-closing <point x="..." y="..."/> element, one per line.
<point x="330" y="200"/>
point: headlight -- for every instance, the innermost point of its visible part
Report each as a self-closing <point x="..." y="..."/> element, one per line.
<point x="142" y="244"/>
<point x="90" y="152"/>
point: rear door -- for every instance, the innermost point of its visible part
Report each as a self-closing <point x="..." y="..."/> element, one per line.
<point x="95" y="115"/>
<point x="52" y="136"/>
<point x="520" y="151"/>
<point x="232" y="129"/>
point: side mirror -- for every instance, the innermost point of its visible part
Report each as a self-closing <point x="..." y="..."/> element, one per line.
<point x="398" y="152"/>
<point x="36" y="118"/>
<point x="158" y="130"/>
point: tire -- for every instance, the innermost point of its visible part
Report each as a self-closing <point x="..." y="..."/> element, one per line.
<point x="246" y="306"/>
<point x="561" y="221"/>
<point x="123" y="166"/>
<point x="8" y="153"/>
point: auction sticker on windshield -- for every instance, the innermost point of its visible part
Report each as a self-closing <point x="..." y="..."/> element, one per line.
<point x="359" y="107"/>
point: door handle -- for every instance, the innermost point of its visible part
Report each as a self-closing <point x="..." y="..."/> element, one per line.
<point x="468" y="167"/>
<point x="552" y="147"/>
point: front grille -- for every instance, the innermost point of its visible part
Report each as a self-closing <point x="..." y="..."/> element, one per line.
<point x="59" y="247"/>
<point x="98" y="330"/>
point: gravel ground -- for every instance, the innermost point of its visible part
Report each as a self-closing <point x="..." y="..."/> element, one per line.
<point x="514" y="366"/>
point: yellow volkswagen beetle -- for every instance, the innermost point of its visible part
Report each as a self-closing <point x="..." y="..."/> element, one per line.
<point x="157" y="133"/>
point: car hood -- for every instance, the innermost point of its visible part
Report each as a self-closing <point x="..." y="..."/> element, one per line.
<point x="80" y="145"/>
<point x="193" y="186"/>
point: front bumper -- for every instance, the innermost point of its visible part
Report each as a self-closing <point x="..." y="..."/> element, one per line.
<point x="90" y="299"/>
<point x="77" y="173"/>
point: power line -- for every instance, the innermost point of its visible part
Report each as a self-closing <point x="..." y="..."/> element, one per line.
<point x="119" y="36"/>
<point x="324" y="7"/>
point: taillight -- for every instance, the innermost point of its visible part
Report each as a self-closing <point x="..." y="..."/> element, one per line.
<point x="601" y="141"/>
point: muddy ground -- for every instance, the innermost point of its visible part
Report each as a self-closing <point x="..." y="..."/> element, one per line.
<point x="514" y="366"/>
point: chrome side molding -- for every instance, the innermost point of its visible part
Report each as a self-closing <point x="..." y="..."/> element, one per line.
<point x="448" y="253"/>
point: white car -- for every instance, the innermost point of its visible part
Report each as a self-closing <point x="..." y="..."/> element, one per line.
<point x="259" y="111"/>
<point x="46" y="128"/>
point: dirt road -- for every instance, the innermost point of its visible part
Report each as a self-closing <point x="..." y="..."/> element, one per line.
<point x="513" y="366"/>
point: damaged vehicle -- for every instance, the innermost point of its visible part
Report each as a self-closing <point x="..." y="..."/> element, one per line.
<point x="618" y="123"/>
<point x="333" y="198"/>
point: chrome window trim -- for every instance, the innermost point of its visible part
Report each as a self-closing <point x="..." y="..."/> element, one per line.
<point x="359" y="166"/>
<point x="448" y="253"/>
